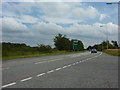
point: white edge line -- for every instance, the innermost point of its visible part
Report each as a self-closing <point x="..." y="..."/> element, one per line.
<point x="9" y="84"/>
<point x="26" y="79"/>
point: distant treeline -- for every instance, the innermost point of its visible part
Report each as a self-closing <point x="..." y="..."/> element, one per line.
<point x="104" y="45"/>
<point x="10" y="49"/>
<point x="61" y="42"/>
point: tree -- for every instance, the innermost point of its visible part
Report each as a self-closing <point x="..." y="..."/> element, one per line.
<point x="44" y="48"/>
<point x="89" y="47"/>
<point x="61" y="42"/>
<point x="115" y="44"/>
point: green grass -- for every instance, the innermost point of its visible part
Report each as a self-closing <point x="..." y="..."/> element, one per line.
<point x="38" y="54"/>
<point x="114" y="52"/>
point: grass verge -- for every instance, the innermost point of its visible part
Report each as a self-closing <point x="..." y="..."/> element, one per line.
<point x="114" y="52"/>
<point x="39" y="54"/>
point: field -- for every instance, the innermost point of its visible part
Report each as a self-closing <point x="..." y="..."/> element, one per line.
<point x="26" y="55"/>
<point x="114" y="52"/>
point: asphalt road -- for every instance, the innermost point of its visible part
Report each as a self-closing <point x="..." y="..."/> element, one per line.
<point x="81" y="70"/>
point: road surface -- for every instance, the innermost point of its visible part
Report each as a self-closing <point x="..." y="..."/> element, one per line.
<point x="80" y="70"/>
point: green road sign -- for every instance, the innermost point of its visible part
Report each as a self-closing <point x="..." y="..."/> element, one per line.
<point x="76" y="45"/>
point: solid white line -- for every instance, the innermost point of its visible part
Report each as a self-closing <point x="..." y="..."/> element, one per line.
<point x="40" y="74"/>
<point x="57" y="69"/>
<point x="9" y="85"/>
<point x="50" y="71"/>
<point x="26" y="79"/>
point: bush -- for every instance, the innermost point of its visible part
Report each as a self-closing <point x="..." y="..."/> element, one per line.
<point x="44" y="48"/>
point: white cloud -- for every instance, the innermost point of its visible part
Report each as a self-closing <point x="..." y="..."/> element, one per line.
<point x="43" y="33"/>
<point x="12" y="28"/>
<point x="54" y="12"/>
<point x="59" y="1"/>
<point x="12" y="9"/>
<point x="47" y="28"/>
<point x="103" y="16"/>
<point x="77" y="30"/>
<point x="67" y="12"/>
<point x="27" y="19"/>
<point x="60" y="20"/>
<point x="13" y="25"/>
<point x="42" y="0"/>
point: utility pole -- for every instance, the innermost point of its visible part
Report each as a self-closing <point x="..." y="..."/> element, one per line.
<point x="106" y="36"/>
<point x="110" y="3"/>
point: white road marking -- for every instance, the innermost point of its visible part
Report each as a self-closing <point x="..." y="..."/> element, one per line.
<point x="26" y="79"/>
<point x="76" y="62"/>
<point x="48" y="61"/>
<point x="40" y="62"/>
<point x="9" y="84"/>
<point x="73" y="64"/>
<point x="56" y="59"/>
<point x="40" y="74"/>
<point x="57" y="69"/>
<point x="69" y="65"/>
<point x="60" y="59"/>
<point x="5" y="68"/>
<point x="50" y="71"/>
<point x="64" y="67"/>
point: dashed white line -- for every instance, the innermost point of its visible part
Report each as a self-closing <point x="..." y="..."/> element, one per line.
<point x="9" y="84"/>
<point x="73" y="64"/>
<point x="50" y="71"/>
<point x="64" y="66"/>
<point x="40" y="62"/>
<point x="40" y="74"/>
<point x="26" y="79"/>
<point x="76" y="62"/>
<point x="57" y="69"/>
<point x="5" y="68"/>
<point x="48" y="61"/>
<point x="69" y="65"/>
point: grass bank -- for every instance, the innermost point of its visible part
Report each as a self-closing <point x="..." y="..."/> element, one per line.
<point x="38" y="54"/>
<point x="114" y="52"/>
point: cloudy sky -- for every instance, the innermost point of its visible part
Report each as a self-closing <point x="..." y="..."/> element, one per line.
<point x="38" y="22"/>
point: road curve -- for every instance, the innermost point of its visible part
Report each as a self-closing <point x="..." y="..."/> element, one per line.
<point x="80" y="70"/>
